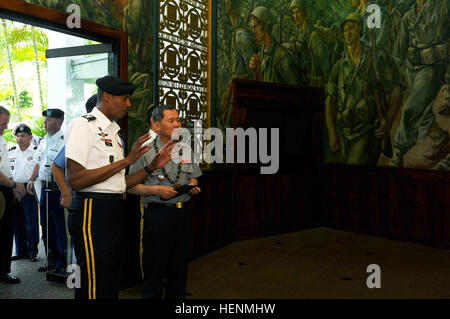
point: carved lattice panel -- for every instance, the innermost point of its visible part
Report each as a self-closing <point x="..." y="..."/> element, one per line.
<point x="183" y="58"/>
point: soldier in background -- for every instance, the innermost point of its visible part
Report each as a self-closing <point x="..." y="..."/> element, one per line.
<point x="26" y="221"/>
<point x="423" y="43"/>
<point x="53" y="225"/>
<point x="314" y="46"/>
<point x="243" y="47"/>
<point x="355" y="128"/>
<point x="274" y="63"/>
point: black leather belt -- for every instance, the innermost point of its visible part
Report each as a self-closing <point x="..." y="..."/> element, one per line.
<point x="173" y="205"/>
<point x="116" y="196"/>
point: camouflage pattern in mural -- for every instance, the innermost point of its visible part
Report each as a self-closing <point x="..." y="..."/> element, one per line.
<point x="387" y="89"/>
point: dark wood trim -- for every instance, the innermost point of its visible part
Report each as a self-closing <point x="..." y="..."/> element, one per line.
<point x="56" y="20"/>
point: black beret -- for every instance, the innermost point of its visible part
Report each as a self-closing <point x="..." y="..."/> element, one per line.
<point x="23" y="128"/>
<point x="55" y="113"/>
<point x="91" y="103"/>
<point x="115" y="86"/>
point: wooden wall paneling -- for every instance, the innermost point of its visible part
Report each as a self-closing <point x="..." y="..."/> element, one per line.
<point x="212" y="212"/>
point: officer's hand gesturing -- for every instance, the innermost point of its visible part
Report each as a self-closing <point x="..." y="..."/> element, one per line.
<point x="138" y="150"/>
<point x="163" y="157"/>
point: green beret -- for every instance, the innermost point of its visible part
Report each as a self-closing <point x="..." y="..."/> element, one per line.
<point x="54" y="113"/>
<point x="115" y="86"/>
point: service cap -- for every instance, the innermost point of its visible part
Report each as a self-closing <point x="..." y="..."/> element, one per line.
<point x="115" y="86"/>
<point x="22" y="128"/>
<point x="54" y="113"/>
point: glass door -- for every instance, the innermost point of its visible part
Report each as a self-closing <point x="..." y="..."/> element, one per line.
<point x="73" y="65"/>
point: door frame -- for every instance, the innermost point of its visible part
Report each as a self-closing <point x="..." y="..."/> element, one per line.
<point x="55" y="20"/>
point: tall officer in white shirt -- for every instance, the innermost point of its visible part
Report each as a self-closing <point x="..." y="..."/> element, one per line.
<point x="96" y="171"/>
<point x="21" y="159"/>
<point x="7" y="185"/>
<point x="53" y="226"/>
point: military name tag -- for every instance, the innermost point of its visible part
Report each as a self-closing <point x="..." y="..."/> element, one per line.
<point x="108" y="142"/>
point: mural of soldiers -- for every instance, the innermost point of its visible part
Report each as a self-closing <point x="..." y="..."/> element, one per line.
<point x="354" y="125"/>
<point x="243" y="46"/>
<point x="423" y="42"/>
<point x="313" y="52"/>
<point x="382" y="34"/>
<point x="442" y="107"/>
<point x="274" y="63"/>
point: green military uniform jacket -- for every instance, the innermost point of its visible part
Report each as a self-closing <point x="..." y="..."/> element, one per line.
<point x="356" y="109"/>
<point x="278" y="65"/>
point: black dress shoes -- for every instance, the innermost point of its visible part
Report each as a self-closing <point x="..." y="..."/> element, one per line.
<point x="8" y="279"/>
<point x="43" y="268"/>
<point x="47" y="267"/>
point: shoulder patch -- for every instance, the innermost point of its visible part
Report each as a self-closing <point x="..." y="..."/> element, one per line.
<point x="89" y="117"/>
<point x="12" y="148"/>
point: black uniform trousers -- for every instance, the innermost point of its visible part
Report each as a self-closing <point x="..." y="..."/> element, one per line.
<point x="96" y="227"/>
<point x="166" y="247"/>
<point x="53" y="227"/>
<point x="26" y="226"/>
<point x="20" y="230"/>
<point x="6" y="232"/>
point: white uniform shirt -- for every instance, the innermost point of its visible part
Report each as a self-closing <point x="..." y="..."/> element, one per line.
<point x="94" y="144"/>
<point x="47" y="150"/>
<point x="5" y="168"/>
<point x="22" y="163"/>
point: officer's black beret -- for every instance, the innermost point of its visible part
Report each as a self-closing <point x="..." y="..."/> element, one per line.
<point x="55" y="113"/>
<point x="23" y="128"/>
<point x="91" y="103"/>
<point x="115" y="86"/>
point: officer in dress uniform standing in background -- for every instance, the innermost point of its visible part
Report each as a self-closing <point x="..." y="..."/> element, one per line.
<point x="53" y="225"/>
<point x="7" y="185"/>
<point x="96" y="171"/>
<point x="21" y="159"/>
<point x="167" y="216"/>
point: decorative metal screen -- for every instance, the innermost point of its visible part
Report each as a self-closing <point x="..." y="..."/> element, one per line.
<point x="183" y="48"/>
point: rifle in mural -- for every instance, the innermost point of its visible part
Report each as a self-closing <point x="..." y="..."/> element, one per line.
<point x="280" y="27"/>
<point x="380" y="98"/>
<point x="226" y="97"/>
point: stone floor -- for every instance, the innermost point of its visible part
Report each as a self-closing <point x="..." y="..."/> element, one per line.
<point x="316" y="263"/>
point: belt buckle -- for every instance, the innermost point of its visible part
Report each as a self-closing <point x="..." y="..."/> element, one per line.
<point x="179" y="205"/>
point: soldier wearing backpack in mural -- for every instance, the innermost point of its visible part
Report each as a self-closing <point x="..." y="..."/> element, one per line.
<point x="423" y="44"/>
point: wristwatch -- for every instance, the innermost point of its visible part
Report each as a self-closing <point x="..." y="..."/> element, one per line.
<point x="148" y="170"/>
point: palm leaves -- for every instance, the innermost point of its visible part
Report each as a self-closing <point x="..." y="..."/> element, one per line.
<point x="20" y="43"/>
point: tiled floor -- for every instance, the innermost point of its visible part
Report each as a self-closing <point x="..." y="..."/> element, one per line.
<point x="316" y="263"/>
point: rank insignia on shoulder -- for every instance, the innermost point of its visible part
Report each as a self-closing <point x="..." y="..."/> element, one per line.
<point x="12" y="148"/>
<point x="89" y="117"/>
